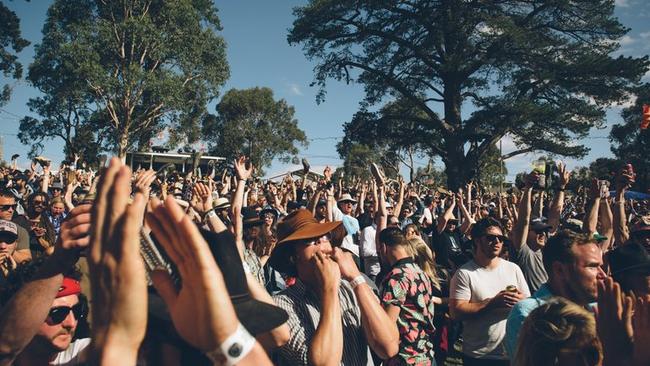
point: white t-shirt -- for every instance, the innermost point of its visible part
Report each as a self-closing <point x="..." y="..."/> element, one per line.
<point x="427" y="217"/>
<point x="483" y="334"/>
<point x="367" y="241"/>
<point x="75" y="354"/>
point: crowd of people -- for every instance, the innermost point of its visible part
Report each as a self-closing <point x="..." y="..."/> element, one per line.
<point x="167" y="268"/>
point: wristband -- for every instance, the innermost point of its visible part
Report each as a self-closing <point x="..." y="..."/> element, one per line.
<point x="209" y="214"/>
<point x="357" y="281"/>
<point x="232" y="350"/>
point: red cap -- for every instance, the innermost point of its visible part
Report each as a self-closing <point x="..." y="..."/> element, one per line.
<point x="70" y="286"/>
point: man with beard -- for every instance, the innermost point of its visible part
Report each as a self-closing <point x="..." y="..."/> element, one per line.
<point x="573" y="262"/>
<point x="54" y="342"/>
<point x="42" y="234"/>
<point x="481" y="294"/>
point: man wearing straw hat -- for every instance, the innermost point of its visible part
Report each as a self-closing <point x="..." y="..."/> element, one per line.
<point x="333" y="314"/>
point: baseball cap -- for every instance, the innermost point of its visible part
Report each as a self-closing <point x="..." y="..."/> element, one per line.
<point x="539" y="225"/>
<point x="9" y="228"/>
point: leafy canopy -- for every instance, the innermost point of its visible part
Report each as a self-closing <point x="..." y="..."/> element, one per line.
<point x="11" y="42"/>
<point x="251" y="122"/>
<point x="139" y="66"/>
<point x="540" y="71"/>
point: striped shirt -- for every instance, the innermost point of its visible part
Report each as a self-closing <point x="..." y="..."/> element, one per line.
<point x="304" y="307"/>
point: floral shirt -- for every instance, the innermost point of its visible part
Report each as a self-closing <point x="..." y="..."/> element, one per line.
<point x="408" y="287"/>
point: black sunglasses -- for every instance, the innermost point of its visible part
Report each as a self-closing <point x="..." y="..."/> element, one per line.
<point x="493" y="238"/>
<point x="59" y="313"/>
<point x="7" y="207"/>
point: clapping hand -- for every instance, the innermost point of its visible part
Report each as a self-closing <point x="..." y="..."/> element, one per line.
<point x="201" y="310"/>
<point x="117" y="272"/>
<point x="614" y="321"/>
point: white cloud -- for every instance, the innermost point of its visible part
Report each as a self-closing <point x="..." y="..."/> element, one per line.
<point x="644" y="35"/>
<point x="626" y="40"/>
<point x="295" y="89"/>
<point x="622" y="3"/>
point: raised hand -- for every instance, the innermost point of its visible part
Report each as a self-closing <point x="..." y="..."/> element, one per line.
<point x="143" y="182"/>
<point x="327" y="173"/>
<point x="614" y="321"/>
<point x="243" y="168"/>
<point x="565" y="175"/>
<point x="117" y="272"/>
<point x="202" y="197"/>
<point x="201" y="310"/>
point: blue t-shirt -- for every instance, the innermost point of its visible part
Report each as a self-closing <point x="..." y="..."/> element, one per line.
<point x="520" y="312"/>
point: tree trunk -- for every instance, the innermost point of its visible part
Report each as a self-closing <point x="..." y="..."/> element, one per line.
<point x="455" y="165"/>
<point x="122" y="144"/>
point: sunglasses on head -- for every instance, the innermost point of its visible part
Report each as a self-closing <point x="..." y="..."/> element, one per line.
<point x="494" y="238"/>
<point x="8" y="207"/>
<point x="59" y="313"/>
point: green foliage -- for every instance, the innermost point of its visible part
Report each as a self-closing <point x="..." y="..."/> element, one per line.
<point x="356" y="160"/>
<point x="11" y="42"/>
<point x="393" y="134"/>
<point x="250" y="122"/>
<point x="540" y="71"/>
<point x="128" y="69"/>
<point x="491" y="169"/>
<point x="630" y="144"/>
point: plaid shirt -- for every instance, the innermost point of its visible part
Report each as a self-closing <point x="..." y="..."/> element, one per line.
<point x="304" y="307"/>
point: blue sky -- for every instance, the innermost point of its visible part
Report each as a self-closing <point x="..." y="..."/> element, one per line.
<point x="259" y="55"/>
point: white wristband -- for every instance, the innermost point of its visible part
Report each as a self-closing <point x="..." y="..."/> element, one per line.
<point x="357" y="281"/>
<point x="237" y="346"/>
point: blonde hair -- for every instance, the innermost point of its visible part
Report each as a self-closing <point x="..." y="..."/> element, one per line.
<point x="558" y="327"/>
<point x="422" y="255"/>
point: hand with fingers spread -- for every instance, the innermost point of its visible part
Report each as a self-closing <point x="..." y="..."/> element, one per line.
<point x="143" y="182"/>
<point x="614" y="321"/>
<point x="202" y="197"/>
<point x="201" y="310"/>
<point x="117" y="272"/>
<point x="564" y="174"/>
<point x="243" y="168"/>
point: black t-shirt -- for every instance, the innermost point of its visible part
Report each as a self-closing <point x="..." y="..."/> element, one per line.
<point x="449" y="248"/>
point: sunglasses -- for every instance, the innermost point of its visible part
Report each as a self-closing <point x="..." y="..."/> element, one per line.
<point x="494" y="238"/>
<point x="38" y="202"/>
<point x="8" y="207"/>
<point x="59" y="313"/>
<point x="545" y="232"/>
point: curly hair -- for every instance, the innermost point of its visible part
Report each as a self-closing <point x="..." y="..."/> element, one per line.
<point x="26" y="272"/>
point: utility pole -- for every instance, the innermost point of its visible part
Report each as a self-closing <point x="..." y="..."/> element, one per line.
<point x="501" y="177"/>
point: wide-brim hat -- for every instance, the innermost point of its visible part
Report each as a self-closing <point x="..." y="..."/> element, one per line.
<point x="298" y="225"/>
<point x="346" y="198"/>
<point x="221" y="203"/>
<point x="250" y="217"/>
<point x="629" y="258"/>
